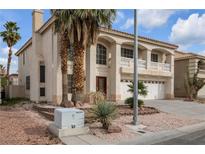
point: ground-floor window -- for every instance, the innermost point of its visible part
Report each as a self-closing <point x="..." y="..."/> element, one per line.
<point x="42" y="92"/>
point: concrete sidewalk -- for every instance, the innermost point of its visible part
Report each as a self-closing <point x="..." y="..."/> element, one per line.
<point x="85" y="139"/>
<point x="144" y="139"/>
<point x="153" y="138"/>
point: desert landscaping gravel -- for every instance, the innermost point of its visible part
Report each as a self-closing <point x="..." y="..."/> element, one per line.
<point x="19" y="126"/>
<point x="153" y="122"/>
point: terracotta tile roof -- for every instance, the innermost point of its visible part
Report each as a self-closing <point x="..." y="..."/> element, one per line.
<point x="188" y="55"/>
<point x="140" y="37"/>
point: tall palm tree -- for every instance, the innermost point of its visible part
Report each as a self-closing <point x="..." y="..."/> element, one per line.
<point x="10" y="36"/>
<point x="62" y="28"/>
<point x="81" y="28"/>
<point x="83" y="33"/>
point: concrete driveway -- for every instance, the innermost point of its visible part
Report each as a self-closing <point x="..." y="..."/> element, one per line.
<point x="179" y="107"/>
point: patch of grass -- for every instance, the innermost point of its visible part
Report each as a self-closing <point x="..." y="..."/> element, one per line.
<point x="12" y="101"/>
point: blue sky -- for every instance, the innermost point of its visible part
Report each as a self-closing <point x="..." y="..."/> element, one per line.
<point x="182" y="27"/>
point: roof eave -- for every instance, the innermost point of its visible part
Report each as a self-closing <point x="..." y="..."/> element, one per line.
<point x="26" y="45"/>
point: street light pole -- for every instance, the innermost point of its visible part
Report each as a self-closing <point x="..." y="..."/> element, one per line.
<point x="135" y="94"/>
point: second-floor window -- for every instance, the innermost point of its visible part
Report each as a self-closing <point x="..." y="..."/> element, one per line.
<point x="42" y="73"/>
<point x="127" y="53"/>
<point x="23" y="58"/>
<point x="154" y="57"/>
<point x="27" y="82"/>
<point x="101" y="54"/>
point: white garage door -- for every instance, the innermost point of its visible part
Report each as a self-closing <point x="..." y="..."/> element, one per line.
<point x="155" y="90"/>
<point x="124" y="90"/>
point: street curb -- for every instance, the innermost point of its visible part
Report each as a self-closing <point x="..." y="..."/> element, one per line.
<point x="153" y="138"/>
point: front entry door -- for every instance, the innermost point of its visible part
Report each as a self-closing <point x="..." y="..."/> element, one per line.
<point x="101" y="84"/>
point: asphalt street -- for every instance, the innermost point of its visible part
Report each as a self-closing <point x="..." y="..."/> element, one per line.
<point x="195" y="138"/>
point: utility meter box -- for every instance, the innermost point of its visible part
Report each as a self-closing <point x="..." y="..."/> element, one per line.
<point x="69" y="118"/>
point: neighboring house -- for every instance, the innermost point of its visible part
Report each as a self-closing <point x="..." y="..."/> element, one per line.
<point x="13" y="79"/>
<point x="108" y="64"/>
<point x="184" y="62"/>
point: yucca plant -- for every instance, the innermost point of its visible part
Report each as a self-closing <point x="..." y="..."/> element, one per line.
<point x="104" y="112"/>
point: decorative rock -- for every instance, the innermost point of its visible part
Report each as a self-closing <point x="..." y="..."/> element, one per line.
<point x="114" y="129"/>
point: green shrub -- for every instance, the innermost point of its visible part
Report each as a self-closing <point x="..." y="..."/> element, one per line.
<point x="142" y="89"/>
<point x="97" y="97"/>
<point x="104" y="112"/>
<point x="12" y="101"/>
<point x="130" y="101"/>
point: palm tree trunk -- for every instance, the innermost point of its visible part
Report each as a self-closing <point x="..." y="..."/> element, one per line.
<point x="9" y="62"/>
<point x="78" y="73"/>
<point x="64" y="44"/>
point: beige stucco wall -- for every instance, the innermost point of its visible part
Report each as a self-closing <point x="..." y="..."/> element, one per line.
<point x="179" y="77"/>
<point x="14" y="91"/>
<point x="24" y="69"/>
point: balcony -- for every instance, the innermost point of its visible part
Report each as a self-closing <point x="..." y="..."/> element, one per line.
<point x="160" y="66"/>
<point x="128" y="62"/>
<point x="155" y="68"/>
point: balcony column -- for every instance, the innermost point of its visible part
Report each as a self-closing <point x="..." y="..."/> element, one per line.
<point x="115" y="75"/>
<point x="91" y="69"/>
<point x="148" y="58"/>
<point x="170" y="82"/>
<point x="163" y="58"/>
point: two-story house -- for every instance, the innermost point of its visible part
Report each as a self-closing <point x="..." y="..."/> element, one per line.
<point x="184" y="62"/>
<point x="108" y="64"/>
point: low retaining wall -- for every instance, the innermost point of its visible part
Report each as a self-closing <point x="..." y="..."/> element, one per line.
<point x="13" y="91"/>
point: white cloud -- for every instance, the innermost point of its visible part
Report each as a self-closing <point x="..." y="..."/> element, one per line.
<point x="13" y="66"/>
<point x="119" y="17"/>
<point x="188" y="32"/>
<point x="129" y="23"/>
<point x="150" y="19"/>
<point x="6" y="49"/>
<point x="201" y="52"/>
<point x="4" y="56"/>
<point x="3" y="61"/>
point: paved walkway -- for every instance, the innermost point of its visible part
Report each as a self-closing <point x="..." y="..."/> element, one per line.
<point x="86" y="139"/>
<point x="179" y="107"/>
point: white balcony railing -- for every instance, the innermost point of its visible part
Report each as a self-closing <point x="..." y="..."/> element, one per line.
<point x="128" y="62"/>
<point x="160" y="66"/>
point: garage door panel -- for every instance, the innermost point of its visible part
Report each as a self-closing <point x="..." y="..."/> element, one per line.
<point x="155" y="90"/>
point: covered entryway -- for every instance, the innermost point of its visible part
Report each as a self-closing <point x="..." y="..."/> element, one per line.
<point x="101" y="84"/>
<point x="156" y="89"/>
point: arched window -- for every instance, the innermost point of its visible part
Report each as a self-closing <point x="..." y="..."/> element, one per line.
<point x="101" y="54"/>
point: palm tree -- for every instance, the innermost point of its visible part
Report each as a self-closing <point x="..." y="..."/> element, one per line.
<point x="83" y="33"/>
<point x="62" y="28"/>
<point x="11" y="37"/>
<point x="142" y="89"/>
<point x="81" y="28"/>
